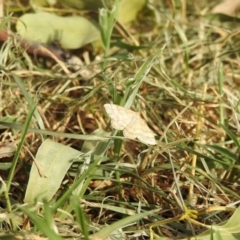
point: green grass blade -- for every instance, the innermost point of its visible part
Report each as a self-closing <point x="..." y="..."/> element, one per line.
<point x="29" y="99"/>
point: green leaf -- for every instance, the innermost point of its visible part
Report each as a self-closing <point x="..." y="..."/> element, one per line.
<point x="230" y="230"/>
<point x="71" y="32"/>
<point x="53" y="161"/>
<point x="128" y="10"/>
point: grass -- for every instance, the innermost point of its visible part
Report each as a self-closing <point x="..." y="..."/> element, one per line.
<point x="180" y="69"/>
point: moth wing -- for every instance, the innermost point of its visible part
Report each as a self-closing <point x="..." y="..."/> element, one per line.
<point x="119" y="125"/>
<point x="111" y="111"/>
<point x="130" y="131"/>
<point x="131" y="123"/>
<point x="144" y="133"/>
<point x="140" y="130"/>
<point x="120" y="116"/>
<point x="147" y="139"/>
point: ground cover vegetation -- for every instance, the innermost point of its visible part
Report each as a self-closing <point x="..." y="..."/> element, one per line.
<point x="119" y="121"/>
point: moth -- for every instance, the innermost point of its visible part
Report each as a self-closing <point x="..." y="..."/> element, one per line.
<point x="131" y="123"/>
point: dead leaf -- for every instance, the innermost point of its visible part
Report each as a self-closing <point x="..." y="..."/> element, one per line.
<point x="7" y="150"/>
<point x="228" y="7"/>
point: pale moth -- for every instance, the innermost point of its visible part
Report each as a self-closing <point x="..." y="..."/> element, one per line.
<point x="131" y="123"/>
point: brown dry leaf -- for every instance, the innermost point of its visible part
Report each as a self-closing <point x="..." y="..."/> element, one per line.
<point x="7" y="150"/>
<point x="101" y="184"/>
<point x="228" y="7"/>
<point x="131" y="123"/>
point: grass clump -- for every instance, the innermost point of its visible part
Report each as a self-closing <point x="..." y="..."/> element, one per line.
<point x="175" y="65"/>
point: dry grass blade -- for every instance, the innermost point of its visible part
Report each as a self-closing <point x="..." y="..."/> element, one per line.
<point x="160" y="63"/>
